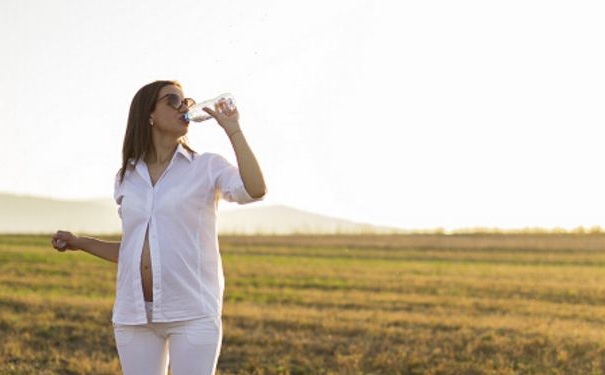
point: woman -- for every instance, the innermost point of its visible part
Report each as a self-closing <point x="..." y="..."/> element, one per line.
<point x="170" y="279"/>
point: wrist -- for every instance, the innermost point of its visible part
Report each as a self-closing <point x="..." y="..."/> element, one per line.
<point x="234" y="132"/>
<point x="77" y="243"/>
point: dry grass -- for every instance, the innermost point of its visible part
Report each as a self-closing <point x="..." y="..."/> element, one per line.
<point x="417" y="304"/>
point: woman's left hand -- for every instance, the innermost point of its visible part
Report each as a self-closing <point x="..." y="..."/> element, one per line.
<point x="227" y="118"/>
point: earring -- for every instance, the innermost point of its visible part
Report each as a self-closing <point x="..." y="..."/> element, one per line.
<point x="151" y="121"/>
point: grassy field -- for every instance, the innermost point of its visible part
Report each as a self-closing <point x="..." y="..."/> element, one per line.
<point x="415" y="304"/>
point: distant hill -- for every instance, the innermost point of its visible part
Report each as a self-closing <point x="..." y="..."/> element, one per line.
<point x="27" y="214"/>
<point x="287" y="220"/>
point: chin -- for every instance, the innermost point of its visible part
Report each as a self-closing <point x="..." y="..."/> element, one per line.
<point x="183" y="128"/>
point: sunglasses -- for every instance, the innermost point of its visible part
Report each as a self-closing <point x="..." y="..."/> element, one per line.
<point x="176" y="102"/>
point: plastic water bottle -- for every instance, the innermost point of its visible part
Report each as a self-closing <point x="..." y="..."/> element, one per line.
<point x="196" y="113"/>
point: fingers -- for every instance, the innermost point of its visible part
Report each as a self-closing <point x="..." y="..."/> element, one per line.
<point x="226" y="114"/>
<point x="228" y="107"/>
<point x="222" y="106"/>
<point x="60" y="240"/>
<point x="210" y="111"/>
<point x="61" y="245"/>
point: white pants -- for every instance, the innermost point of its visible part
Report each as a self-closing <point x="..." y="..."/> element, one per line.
<point x="193" y="346"/>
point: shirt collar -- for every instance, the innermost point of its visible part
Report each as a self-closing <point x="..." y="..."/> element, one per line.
<point x="179" y="150"/>
<point x="183" y="151"/>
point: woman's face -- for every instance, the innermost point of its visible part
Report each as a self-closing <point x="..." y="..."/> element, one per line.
<point x="168" y="116"/>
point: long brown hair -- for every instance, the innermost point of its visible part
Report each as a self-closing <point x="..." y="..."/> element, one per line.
<point x="137" y="139"/>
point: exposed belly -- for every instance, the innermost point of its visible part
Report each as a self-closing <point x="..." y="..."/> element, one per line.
<point x="146" y="271"/>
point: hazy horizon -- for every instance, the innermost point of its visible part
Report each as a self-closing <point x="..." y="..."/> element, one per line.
<point x="32" y="214"/>
<point x="28" y="214"/>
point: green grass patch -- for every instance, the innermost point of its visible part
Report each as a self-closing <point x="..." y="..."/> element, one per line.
<point x="501" y="304"/>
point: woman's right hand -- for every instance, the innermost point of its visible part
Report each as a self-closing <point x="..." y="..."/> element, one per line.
<point x="63" y="240"/>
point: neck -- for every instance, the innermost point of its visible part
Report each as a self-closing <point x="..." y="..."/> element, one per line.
<point x="162" y="151"/>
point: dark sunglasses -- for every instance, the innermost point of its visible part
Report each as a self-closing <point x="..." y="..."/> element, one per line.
<point x="175" y="101"/>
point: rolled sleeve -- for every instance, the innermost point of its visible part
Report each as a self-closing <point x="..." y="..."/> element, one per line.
<point x="228" y="182"/>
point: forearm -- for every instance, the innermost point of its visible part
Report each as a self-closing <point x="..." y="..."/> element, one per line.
<point x="249" y="169"/>
<point x="107" y="250"/>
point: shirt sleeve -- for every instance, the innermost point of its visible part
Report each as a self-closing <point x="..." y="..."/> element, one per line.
<point x="228" y="181"/>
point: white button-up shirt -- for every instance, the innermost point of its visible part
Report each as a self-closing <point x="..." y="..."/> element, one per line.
<point x="180" y="212"/>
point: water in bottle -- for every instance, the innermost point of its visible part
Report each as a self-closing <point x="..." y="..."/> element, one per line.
<point x="196" y="113"/>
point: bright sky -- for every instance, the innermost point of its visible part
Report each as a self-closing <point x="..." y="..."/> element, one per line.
<point x="415" y="114"/>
